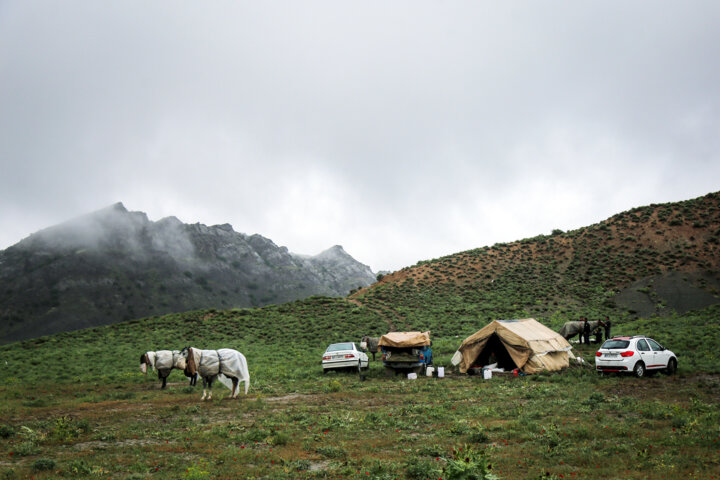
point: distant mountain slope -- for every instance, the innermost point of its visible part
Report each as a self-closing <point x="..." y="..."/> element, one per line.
<point x="114" y="265"/>
<point x="645" y="261"/>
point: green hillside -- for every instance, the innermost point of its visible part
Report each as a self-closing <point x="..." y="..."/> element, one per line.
<point x="76" y="405"/>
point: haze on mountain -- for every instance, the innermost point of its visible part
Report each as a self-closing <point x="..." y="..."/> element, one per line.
<point x="401" y="130"/>
<point x="114" y="265"/>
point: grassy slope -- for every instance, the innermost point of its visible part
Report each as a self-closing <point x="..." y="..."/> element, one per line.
<point x="553" y="278"/>
<point x="90" y="411"/>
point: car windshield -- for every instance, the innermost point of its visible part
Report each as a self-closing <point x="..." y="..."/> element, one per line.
<point x="336" y="347"/>
<point x="615" y="344"/>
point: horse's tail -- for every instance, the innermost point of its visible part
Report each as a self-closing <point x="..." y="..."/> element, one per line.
<point x="245" y="372"/>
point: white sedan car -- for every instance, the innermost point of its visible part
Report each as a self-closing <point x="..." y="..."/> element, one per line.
<point x="637" y="355"/>
<point x="344" y="355"/>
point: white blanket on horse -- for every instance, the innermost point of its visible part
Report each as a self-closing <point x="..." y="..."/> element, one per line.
<point x="224" y="362"/>
<point x="164" y="360"/>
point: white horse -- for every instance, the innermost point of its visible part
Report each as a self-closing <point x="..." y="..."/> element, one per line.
<point x="162" y="360"/>
<point x="227" y="365"/>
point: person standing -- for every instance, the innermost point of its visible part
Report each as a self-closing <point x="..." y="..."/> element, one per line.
<point x="607" y="328"/>
<point x="586" y="331"/>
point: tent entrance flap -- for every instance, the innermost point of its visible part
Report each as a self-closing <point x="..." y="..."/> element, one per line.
<point x="494" y="351"/>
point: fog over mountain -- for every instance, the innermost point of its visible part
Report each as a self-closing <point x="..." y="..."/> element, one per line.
<point x="114" y="265"/>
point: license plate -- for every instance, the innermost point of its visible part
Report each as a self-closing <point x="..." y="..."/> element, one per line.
<point x="338" y="357"/>
<point x="611" y="355"/>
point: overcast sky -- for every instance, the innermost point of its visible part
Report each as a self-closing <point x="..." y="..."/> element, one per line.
<point x="403" y="131"/>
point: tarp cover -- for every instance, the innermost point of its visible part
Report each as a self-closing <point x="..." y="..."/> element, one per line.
<point x="224" y="362"/>
<point x="531" y="345"/>
<point x="405" y="339"/>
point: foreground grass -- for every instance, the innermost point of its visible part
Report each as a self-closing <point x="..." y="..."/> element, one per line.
<point x="569" y="425"/>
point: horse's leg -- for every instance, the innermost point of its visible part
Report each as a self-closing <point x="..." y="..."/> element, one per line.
<point x="210" y="382"/>
<point x="235" y="389"/>
<point x="204" y="386"/>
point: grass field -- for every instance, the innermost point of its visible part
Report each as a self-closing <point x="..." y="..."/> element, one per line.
<point x="75" y="405"/>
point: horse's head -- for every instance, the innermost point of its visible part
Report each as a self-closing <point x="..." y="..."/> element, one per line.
<point x="143" y="363"/>
<point x="147" y="358"/>
<point x="187" y="361"/>
<point x="178" y="360"/>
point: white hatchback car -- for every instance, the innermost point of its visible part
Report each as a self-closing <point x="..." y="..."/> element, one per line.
<point x="344" y="355"/>
<point x="637" y="355"/>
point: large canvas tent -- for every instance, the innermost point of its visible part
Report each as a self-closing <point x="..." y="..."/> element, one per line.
<point x="526" y="344"/>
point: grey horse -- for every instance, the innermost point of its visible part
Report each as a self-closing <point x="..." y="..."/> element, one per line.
<point x="570" y="329"/>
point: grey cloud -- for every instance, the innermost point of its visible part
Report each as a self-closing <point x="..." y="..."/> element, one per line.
<point x="440" y="125"/>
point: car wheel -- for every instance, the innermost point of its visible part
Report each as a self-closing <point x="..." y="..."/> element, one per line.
<point x="671" y="367"/>
<point x="639" y="369"/>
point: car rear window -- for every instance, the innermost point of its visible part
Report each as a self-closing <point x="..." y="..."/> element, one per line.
<point x="336" y="347"/>
<point x="615" y="344"/>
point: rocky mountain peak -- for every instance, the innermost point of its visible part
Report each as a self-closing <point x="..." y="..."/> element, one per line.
<point x="114" y="264"/>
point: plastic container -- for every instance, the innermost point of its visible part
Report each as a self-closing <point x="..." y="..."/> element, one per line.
<point x="412" y="376"/>
<point x="441" y="372"/>
<point x="515" y="372"/>
<point x="487" y="373"/>
<point x="429" y="371"/>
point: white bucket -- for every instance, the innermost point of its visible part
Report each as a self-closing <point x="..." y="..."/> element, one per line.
<point x="412" y="376"/>
<point x="441" y="372"/>
<point x="487" y="373"/>
<point x="429" y="371"/>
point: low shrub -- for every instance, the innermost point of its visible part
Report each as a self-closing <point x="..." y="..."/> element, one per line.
<point x="421" y="469"/>
<point x="467" y="463"/>
<point x="43" y="464"/>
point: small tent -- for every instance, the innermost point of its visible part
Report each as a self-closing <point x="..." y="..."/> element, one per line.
<point x="527" y="345"/>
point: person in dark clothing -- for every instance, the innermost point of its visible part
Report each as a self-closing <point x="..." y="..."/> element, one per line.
<point x="581" y="334"/>
<point x="598" y="335"/>
<point x="607" y="328"/>
<point x="586" y="331"/>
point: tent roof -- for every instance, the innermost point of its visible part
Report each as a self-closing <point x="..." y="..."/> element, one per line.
<point x="529" y="331"/>
<point x="405" y="339"/>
